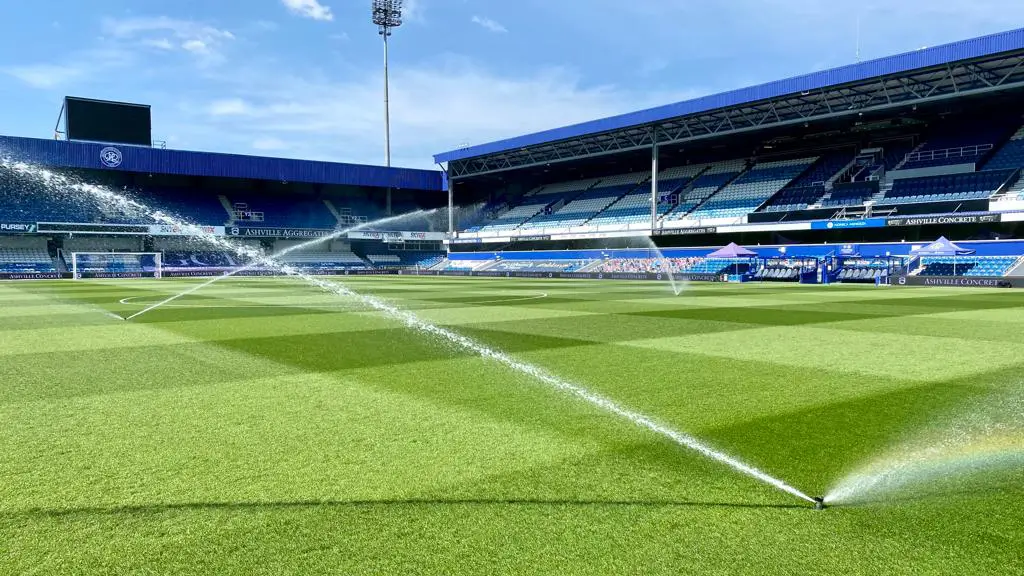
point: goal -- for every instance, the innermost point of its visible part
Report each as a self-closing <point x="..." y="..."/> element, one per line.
<point x="116" y="265"/>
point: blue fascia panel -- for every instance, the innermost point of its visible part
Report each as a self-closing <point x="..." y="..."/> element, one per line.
<point x="867" y="250"/>
<point x="901" y="63"/>
<point x="62" y="154"/>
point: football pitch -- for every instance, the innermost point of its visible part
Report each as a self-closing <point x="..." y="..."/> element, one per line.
<point x="261" y="426"/>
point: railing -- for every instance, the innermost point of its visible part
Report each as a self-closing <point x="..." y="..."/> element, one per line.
<point x="961" y="152"/>
<point x="247" y="216"/>
<point x="909" y="267"/>
<point x="1008" y="185"/>
<point x="347" y="219"/>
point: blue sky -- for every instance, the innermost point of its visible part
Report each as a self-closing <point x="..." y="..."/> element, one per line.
<point x="302" y="78"/>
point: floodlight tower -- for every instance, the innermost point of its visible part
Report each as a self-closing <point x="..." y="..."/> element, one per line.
<point x="387" y="15"/>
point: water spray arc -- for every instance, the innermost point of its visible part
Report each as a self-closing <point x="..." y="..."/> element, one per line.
<point x="985" y="437"/>
<point x="117" y="201"/>
<point x="271" y="261"/>
<point x="666" y="267"/>
<point x="413" y="322"/>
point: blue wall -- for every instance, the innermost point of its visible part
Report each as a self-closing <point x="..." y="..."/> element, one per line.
<point x="983" y="248"/>
<point x="184" y="163"/>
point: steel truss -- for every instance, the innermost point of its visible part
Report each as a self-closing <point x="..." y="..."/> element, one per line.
<point x="966" y="78"/>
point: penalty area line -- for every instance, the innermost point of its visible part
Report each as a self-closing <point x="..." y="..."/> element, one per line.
<point x="130" y="302"/>
<point x="542" y="295"/>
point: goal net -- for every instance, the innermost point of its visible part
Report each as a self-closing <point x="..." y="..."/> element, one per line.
<point x="116" y="265"/>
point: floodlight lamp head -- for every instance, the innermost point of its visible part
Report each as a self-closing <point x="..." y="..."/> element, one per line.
<point x="387" y="14"/>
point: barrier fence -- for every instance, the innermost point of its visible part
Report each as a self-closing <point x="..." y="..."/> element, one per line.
<point x="947" y="281"/>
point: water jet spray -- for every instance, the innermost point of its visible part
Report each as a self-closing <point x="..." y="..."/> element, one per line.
<point x="113" y="199"/>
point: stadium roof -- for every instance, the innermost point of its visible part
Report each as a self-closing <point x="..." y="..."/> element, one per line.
<point x="979" y="65"/>
<point x="63" y="154"/>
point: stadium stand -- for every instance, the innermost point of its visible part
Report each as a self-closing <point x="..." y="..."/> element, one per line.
<point x="199" y="207"/>
<point x="405" y="259"/>
<point x="535" y="202"/>
<point x="24" y="200"/>
<point x="872" y="163"/>
<point x="1010" y="155"/>
<point x="333" y="260"/>
<point x="811" y="186"/>
<point x="282" y="213"/>
<point x="719" y="266"/>
<point x="338" y="256"/>
<point x="711" y="180"/>
<point x="188" y="260"/>
<point x="462" y="264"/>
<point x="112" y="263"/>
<point x="25" y="261"/>
<point x="749" y="191"/>
<point x="103" y="244"/>
<point x="579" y="209"/>
<point x="636" y="206"/>
<point x="734" y="188"/>
<point x="957" y="144"/>
<point x="850" y="194"/>
<point x="531" y="206"/>
<point x="795" y="198"/>
<point x="646" y="265"/>
<point x="947" y="187"/>
<point x="967" y="265"/>
<point x="539" y="265"/>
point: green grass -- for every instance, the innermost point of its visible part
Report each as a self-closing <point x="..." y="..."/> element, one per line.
<point x="263" y="427"/>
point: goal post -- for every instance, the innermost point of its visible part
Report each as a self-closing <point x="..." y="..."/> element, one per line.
<point x="116" y="265"/>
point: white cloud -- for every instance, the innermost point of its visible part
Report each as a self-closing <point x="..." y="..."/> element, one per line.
<point x="228" y="107"/>
<point x="197" y="38"/>
<point x="161" y="43"/>
<point x="433" y="109"/>
<point x="118" y="49"/>
<point x="47" y="76"/>
<point x="489" y="24"/>
<point x="76" y="69"/>
<point x="182" y="29"/>
<point x="195" y="46"/>
<point x="309" y="9"/>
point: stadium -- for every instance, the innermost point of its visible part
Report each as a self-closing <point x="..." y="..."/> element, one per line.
<point x="771" y="330"/>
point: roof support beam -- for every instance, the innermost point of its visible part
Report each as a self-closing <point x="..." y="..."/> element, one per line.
<point x="1015" y="68"/>
<point x="934" y="85"/>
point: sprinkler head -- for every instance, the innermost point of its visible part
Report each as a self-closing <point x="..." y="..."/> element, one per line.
<point x="819" y="503"/>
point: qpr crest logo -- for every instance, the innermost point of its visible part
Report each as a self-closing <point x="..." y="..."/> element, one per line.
<point x="110" y="157"/>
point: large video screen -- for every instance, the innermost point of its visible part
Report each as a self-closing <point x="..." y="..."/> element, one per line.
<point x="113" y="122"/>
